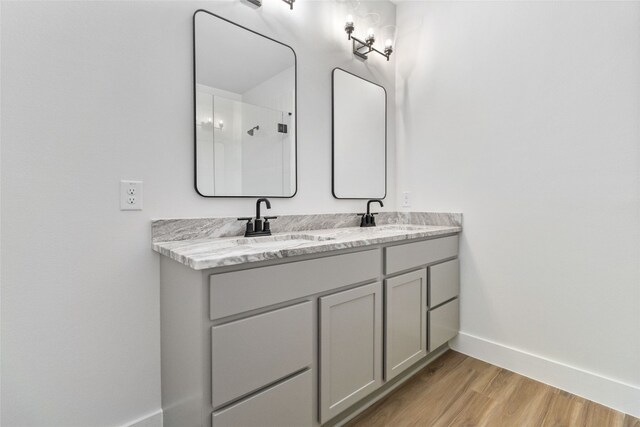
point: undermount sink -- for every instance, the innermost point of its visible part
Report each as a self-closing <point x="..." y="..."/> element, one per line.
<point x="401" y="227"/>
<point x="389" y="228"/>
<point x="284" y="238"/>
<point x="295" y="239"/>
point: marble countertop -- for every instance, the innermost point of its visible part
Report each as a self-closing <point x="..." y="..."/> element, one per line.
<point x="204" y="253"/>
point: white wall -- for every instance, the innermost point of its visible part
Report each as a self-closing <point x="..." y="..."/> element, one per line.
<point x="96" y="92"/>
<point x="525" y="116"/>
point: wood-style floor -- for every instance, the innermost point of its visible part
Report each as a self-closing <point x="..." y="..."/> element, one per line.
<point x="457" y="390"/>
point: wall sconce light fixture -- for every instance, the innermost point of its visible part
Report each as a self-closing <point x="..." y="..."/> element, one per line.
<point x="362" y="49"/>
<point x="210" y="124"/>
<point x="259" y="3"/>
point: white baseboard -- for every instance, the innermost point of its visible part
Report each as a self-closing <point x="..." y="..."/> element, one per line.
<point x="151" y="420"/>
<point x="606" y="391"/>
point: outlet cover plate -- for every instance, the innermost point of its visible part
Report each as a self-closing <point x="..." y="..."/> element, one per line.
<point x="130" y="195"/>
<point x="406" y="199"/>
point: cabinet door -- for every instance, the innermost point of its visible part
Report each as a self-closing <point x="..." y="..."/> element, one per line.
<point x="350" y="347"/>
<point x="405" y="321"/>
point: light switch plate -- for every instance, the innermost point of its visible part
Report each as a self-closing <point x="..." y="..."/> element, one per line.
<point x="130" y="195"/>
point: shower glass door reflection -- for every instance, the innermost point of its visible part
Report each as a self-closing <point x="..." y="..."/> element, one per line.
<point x="243" y="148"/>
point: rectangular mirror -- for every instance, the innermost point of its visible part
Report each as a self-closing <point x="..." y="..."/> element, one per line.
<point x="359" y="137"/>
<point x="245" y="111"/>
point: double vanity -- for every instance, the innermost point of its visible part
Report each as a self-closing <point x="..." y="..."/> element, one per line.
<point x="308" y="319"/>
<point x="303" y="328"/>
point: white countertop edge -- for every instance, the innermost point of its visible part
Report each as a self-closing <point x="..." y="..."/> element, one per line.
<point x="194" y="254"/>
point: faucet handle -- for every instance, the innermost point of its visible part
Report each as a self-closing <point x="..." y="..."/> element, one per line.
<point x="249" y="228"/>
<point x="266" y="227"/>
<point x="363" y="219"/>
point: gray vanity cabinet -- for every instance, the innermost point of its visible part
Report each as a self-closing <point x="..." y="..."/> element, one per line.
<point x="303" y="342"/>
<point x="350" y="347"/>
<point x="405" y="321"/>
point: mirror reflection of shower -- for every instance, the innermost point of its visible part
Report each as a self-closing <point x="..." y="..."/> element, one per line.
<point x="253" y="129"/>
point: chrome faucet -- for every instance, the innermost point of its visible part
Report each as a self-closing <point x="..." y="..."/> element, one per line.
<point x="258" y="227"/>
<point x="368" y="219"/>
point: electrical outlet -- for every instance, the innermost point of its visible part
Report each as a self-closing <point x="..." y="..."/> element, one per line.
<point x="130" y="195"/>
<point x="406" y="199"/>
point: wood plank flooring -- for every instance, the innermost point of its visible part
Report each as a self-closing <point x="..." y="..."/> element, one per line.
<point x="457" y="390"/>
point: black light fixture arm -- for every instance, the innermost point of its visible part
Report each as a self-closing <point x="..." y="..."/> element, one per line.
<point x="259" y="3"/>
<point x="358" y="45"/>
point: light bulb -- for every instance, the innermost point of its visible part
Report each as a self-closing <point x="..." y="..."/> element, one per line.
<point x="349" y="20"/>
<point x="371" y="38"/>
<point x="388" y="44"/>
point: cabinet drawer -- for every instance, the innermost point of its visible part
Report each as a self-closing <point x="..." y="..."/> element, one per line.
<point x="289" y="404"/>
<point x="252" y="353"/>
<point x="444" y="282"/>
<point x="444" y="323"/>
<point x="410" y="255"/>
<point x="240" y="291"/>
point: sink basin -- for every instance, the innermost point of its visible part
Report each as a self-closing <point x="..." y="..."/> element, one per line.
<point x="368" y="232"/>
<point x="400" y="227"/>
<point x="268" y="240"/>
<point x="389" y="228"/>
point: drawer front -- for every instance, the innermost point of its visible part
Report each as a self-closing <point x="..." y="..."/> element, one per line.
<point x="444" y="323"/>
<point x="289" y="404"/>
<point x="252" y="353"/>
<point x="410" y="255"/>
<point x="240" y="291"/>
<point x="444" y="282"/>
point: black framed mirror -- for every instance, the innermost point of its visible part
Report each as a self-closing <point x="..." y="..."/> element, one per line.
<point x="359" y="147"/>
<point x="245" y="111"/>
